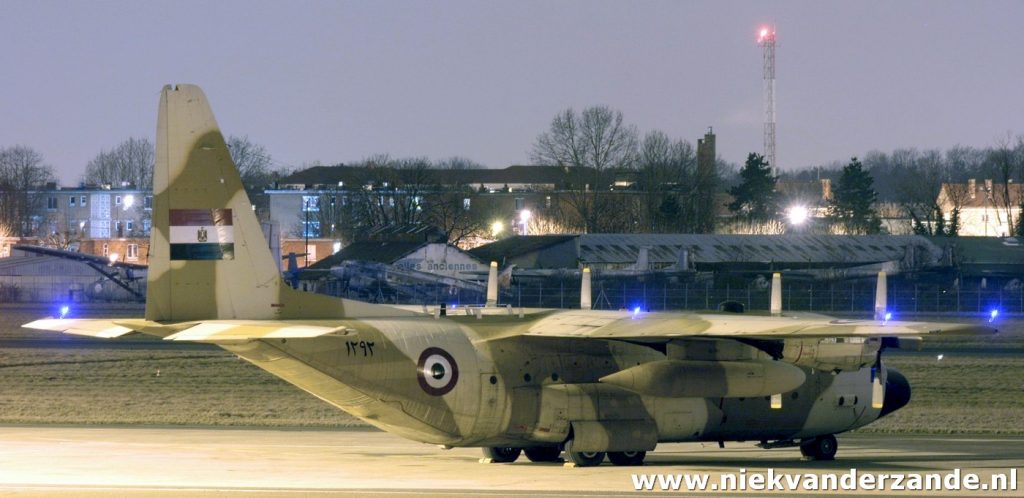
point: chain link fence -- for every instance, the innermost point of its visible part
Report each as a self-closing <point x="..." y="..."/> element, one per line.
<point x="903" y="296"/>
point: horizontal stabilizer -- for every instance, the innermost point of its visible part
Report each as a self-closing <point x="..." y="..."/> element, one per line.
<point x="104" y="328"/>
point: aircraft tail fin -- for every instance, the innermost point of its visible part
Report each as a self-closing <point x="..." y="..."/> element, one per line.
<point x="208" y="256"/>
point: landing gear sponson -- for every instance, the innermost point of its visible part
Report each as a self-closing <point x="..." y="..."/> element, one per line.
<point x="549" y="454"/>
<point x="816" y="448"/>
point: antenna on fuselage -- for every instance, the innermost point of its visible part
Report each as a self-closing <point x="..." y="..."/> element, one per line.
<point x="776" y="302"/>
<point x="881" y="288"/>
<point x="585" y="289"/>
<point x="492" y="286"/>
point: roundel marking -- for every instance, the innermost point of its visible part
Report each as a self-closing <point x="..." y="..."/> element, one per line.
<point x="437" y="371"/>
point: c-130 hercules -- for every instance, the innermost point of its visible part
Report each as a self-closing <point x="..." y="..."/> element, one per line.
<point x="591" y="383"/>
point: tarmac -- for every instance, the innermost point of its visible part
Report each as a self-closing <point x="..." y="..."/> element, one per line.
<point x="163" y="461"/>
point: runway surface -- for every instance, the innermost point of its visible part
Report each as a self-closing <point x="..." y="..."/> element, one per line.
<point x="47" y="460"/>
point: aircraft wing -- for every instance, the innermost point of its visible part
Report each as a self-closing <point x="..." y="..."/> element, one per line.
<point x="213" y="331"/>
<point x="664" y="326"/>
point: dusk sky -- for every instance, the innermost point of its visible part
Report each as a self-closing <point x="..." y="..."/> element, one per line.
<point x="338" y="81"/>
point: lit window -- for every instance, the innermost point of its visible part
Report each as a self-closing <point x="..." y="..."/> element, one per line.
<point x="465" y="203"/>
<point x="311" y="229"/>
<point x="310" y="203"/>
<point x="133" y="252"/>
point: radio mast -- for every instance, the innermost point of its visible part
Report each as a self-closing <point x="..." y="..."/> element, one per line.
<point x="766" y="38"/>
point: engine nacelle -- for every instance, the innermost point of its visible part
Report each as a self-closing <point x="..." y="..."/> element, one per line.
<point x="832" y="353"/>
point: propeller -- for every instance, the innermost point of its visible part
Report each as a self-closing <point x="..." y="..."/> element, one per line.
<point x="881" y="313"/>
<point x="877" y="391"/>
<point x="293" y="270"/>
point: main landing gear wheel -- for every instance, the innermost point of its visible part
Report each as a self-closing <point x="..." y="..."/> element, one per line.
<point x="583" y="458"/>
<point x="543" y="453"/>
<point x="627" y="458"/>
<point x="502" y="454"/>
<point x="820" y="448"/>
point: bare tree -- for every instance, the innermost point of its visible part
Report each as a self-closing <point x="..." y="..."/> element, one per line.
<point x="129" y="163"/>
<point x="955" y="195"/>
<point x="21" y="170"/>
<point x="450" y="204"/>
<point x="668" y="181"/>
<point x="592" y="144"/>
<point x="254" y="163"/>
<point x="386" y="192"/>
<point x="916" y="180"/>
<point x="1005" y="161"/>
<point x="457" y="163"/>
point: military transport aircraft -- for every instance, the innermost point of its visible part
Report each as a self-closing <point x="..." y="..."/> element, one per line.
<point x="539" y="381"/>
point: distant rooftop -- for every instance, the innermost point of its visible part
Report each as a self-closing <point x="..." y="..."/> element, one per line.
<point x="353" y="176"/>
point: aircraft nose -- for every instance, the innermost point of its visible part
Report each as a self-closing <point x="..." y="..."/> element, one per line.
<point x="897" y="392"/>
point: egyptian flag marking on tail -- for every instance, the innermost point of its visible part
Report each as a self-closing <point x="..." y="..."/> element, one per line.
<point x="202" y="234"/>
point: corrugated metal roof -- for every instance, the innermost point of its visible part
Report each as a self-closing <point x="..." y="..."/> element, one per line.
<point x="514" y="246"/>
<point x="370" y="250"/>
<point x="987" y="250"/>
<point x="788" y="248"/>
<point x="711" y="248"/>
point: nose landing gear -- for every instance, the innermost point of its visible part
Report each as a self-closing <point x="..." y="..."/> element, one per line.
<point x="819" y="448"/>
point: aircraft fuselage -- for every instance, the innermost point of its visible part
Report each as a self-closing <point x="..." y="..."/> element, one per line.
<point x="448" y="381"/>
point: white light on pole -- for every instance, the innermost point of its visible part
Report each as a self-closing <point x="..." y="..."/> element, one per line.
<point x="797" y="215"/>
<point x="496" y="228"/>
<point x="129" y="201"/>
<point x="524" y="220"/>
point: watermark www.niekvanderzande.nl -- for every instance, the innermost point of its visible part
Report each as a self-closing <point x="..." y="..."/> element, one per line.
<point x="851" y="480"/>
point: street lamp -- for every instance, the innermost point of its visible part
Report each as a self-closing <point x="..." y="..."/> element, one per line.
<point x="797" y="215"/>
<point x="524" y="220"/>
<point x="496" y="228"/>
<point x="129" y="201"/>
